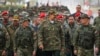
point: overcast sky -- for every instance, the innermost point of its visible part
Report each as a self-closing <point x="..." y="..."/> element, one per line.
<point x="51" y="1"/>
<point x="70" y="3"/>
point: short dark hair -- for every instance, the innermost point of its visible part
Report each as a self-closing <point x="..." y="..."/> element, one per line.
<point x="79" y="5"/>
<point x="70" y="16"/>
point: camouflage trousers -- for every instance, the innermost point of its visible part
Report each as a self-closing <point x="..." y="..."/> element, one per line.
<point x="84" y="52"/>
<point x="24" y="52"/>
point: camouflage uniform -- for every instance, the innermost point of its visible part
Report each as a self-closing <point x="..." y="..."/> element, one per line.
<point x="85" y="38"/>
<point x="97" y="26"/>
<point x="97" y="22"/>
<point x="25" y="40"/>
<point x="4" y="39"/>
<point x="11" y="30"/>
<point x="51" y="36"/>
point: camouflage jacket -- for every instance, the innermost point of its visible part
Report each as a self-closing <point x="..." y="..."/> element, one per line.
<point x="97" y="23"/>
<point x="97" y="26"/>
<point x="4" y="38"/>
<point x="86" y="37"/>
<point x="25" y="38"/>
<point x="11" y="30"/>
<point x="51" y="36"/>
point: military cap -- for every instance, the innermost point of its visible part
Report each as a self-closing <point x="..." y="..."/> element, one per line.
<point x="23" y="19"/>
<point x="66" y="13"/>
<point x="83" y="16"/>
<point x="16" y="17"/>
<point x="4" y="13"/>
<point x="52" y="12"/>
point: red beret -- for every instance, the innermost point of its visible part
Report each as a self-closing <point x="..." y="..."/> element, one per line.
<point x="77" y="14"/>
<point x="5" y="13"/>
<point x="59" y="17"/>
<point x="42" y="15"/>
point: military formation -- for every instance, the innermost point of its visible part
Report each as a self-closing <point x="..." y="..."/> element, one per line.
<point x="48" y="32"/>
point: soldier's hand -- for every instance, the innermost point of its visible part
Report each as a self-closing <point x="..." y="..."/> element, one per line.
<point x="41" y="47"/>
<point x="34" y="53"/>
<point x="62" y="49"/>
<point x="4" y="53"/>
<point x="15" y="54"/>
<point x="96" y="50"/>
<point x="75" y="52"/>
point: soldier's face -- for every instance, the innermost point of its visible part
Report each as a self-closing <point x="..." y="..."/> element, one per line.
<point x="84" y="21"/>
<point x="26" y="23"/>
<point x="52" y="17"/>
<point x="78" y="8"/>
<point x="15" y="22"/>
<point x="5" y="17"/>
<point x="71" y="20"/>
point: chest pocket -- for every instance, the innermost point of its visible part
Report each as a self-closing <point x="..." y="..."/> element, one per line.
<point x="51" y="27"/>
<point x="86" y="39"/>
<point x="25" y="37"/>
<point x="49" y="30"/>
<point x="20" y="33"/>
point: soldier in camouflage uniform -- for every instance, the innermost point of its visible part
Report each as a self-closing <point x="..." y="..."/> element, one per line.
<point x="4" y="40"/>
<point x="97" y="21"/>
<point x="85" y="38"/>
<point x="97" y="26"/>
<point x="11" y="30"/>
<point x="51" y="36"/>
<point x="5" y="16"/>
<point x="25" y="40"/>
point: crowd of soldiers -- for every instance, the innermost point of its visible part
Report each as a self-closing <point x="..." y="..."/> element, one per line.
<point x="52" y="33"/>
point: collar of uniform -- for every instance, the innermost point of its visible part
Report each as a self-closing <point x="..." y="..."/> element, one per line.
<point x="52" y="23"/>
<point x="85" y="25"/>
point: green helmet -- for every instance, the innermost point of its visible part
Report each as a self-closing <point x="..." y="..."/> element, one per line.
<point x="23" y="19"/>
<point x="83" y="16"/>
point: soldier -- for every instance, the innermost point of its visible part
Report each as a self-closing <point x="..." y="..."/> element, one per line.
<point x="11" y="30"/>
<point x="85" y="38"/>
<point x="69" y="34"/>
<point x="35" y="26"/>
<point x="51" y="36"/>
<point x="97" y="26"/>
<point x="78" y="13"/>
<point x="25" y="40"/>
<point x="4" y="40"/>
<point x="5" y="15"/>
<point x="97" y="21"/>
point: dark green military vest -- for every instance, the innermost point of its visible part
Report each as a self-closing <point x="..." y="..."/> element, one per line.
<point x="86" y="37"/>
<point x="25" y="38"/>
